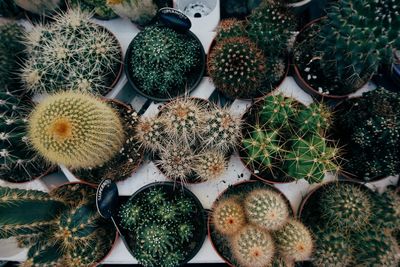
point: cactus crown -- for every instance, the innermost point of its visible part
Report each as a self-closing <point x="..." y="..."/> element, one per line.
<point x="71" y="53"/>
<point x="228" y="216"/>
<point x="75" y="129"/>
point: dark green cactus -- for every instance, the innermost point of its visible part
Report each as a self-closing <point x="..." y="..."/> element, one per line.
<point x="99" y="7"/>
<point x="278" y="111"/>
<point x="229" y="28"/>
<point x="316" y="118"/>
<point x="386" y="210"/>
<point x="161" y="60"/>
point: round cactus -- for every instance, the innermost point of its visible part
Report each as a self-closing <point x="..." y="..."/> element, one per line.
<point x="294" y="241"/>
<point x="76" y="130"/>
<point x="253" y="247"/>
<point x="346" y="206"/>
<point x="278" y="110"/>
<point x="229" y="28"/>
<point x="266" y="209"/>
<point x="386" y="210"/>
<point x="150" y="133"/>
<point x="228" y="216"/>
<point x="210" y="165"/>
<point x="314" y="118"/>
<point x="237" y="67"/>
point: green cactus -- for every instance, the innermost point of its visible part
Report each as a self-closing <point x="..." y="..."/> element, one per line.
<point x="71" y="53"/>
<point x="40" y="7"/>
<point x="332" y="249"/>
<point x="386" y="210"/>
<point x="346" y="206"/>
<point x="270" y="26"/>
<point x="161" y="226"/>
<point x="99" y="7"/>
<point x="253" y="247"/>
<point x="228" y="216"/>
<point x="315" y="118"/>
<point x="294" y="241"/>
<point x="266" y="209"/>
<point x="138" y="11"/>
<point x="229" y="28"/>
<point x="162" y="59"/>
<point x="278" y="111"/>
<point x="75" y="129"/>
<point x="237" y="67"/>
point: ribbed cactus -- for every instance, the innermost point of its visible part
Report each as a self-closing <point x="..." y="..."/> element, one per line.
<point x="229" y="28"/>
<point x="294" y="241"/>
<point x="75" y="129"/>
<point x="162" y="225"/>
<point x="346" y="206"/>
<point x="161" y="60"/>
<point x="138" y="11"/>
<point x="228" y="216"/>
<point x="278" y="111"/>
<point x="98" y="7"/>
<point x="316" y="118"/>
<point x="386" y="210"/>
<point x="270" y="26"/>
<point x="266" y="209"/>
<point x="253" y="247"/>
<point x="71" y="53"/>
<point x="237" y="67"/>
<point x="40" y="7"/>
<point x="210" y="165"/>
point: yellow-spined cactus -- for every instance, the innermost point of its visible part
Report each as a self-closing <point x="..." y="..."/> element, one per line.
<point x="75" y="129"/>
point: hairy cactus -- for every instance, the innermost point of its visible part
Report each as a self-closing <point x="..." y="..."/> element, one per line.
<point x="161" y="60"/>
<point x="98" y="7"/>
<point x="294" y="241"/>
<point x="138" y="11"/>
<point x="222" y="130"/>
<point x="237" y="67"/>
<point x="267" y="209"/>
<point x="333" y="249"/>
<point x="160" y="226"/>
<point x="40" y="7"/>
<point x="253" y="247"/>
<point x="18" y="162"/>
<point x="150" y="133"/>
<point x="270" y="26"/>
<point x="71" y="53"/>
<point x="346" y="206"/>
<point x="75" y="129"/>
<point x="228" y="216"/>
<point x="229" y="28"/>
<point x="210" y="165"/>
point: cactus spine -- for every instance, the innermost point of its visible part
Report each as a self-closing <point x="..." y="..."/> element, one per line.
<point x="210" y="165"/>
<point x="228" y="216"/>
<point x="75" y="129"/>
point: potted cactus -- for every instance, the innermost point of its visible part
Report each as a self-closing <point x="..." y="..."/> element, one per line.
<point x="191" y="139"/>
<point x="284" y="141"/>
<point x="40" y="7"/>
<point x="71" y="53"/>
<point x="99" y="7"/>
<point x="163" y="225"/>
<point x="353" y="225"/>
<point x="162" y="63"/>
<point x="333" y="57"/>
<point x="18" y="161"/>
<point x="252" y="224"/>
<point x="249" y="60"/>
<point x="367" y="127"/>
<point x="60" y="228"/>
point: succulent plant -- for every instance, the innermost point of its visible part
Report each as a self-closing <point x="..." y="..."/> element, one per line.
<point x="278" y="111"/>
<point x="210" y="165"/>
<point x="386" y="210"/>
<point x="71" y="53"/>
<point x="40" y="7"/>
<point x="294" y="241"/>
<point x="229" y="28"/>
<point x="316" y="118"/>
<point x="161" y="60"/>
<point x="266" y="209"/>
<point x="368" y="127"/>
<point x="228" y="216"/>
<point x="18" y="162"/>
<point x="237" y="67"/>
<point x="270" y="26"/>
<point x="160" y="226"/>
<point x="253" y="247"/>
<point x="138" y="11"/>
<point x="56" y="230"/>
<point x="75" y="129"/>
<point x="98" y="7"/>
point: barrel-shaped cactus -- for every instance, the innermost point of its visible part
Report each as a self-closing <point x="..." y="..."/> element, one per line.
<point x="316" y="118"/>
<point x="75" y="129"/>
<point x="228" y="216"/>
<point x="210" y="165"/>
<point x="278" y="111"/>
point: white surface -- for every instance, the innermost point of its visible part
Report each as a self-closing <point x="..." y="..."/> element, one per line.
<point x="148" y="173"/>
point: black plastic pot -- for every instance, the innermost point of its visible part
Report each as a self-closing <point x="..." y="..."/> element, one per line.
<point x="194" y="76"/>
<point x="200" y="219"/>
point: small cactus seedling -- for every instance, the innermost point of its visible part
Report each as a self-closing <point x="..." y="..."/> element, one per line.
<point x="228" y="216"/>
<point x="237" y="67"/>
<point x="346" y="207"/>
<point x="75" y="129"/>
<point x="138" y="11"/>
<point x="210" y="165"/>
<point x="253" y="247"/>
<point x="294" y="241"/>
<point x="266" y="209"/>
<point x="40" y="7"/>
<point x="229" y="28"/>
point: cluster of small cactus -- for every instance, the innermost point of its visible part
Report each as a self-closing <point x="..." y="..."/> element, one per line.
<point x="72" y="53"/>
<point x="40" y="7"/>
<point x="353" y="226"/>
<point x="368" y="127"/>
<point x="288" y="140"/>
<point x="98" y="7"/>
<point x="138" y="11"/>
<point x="256" y="223"/>
<point x="160" y="226"/>
<point x="18" y="162"/>
<point x="162" y="59"/>
<point x="58" y="231"/>
<point x="191" y="139"/>
<point x="75" y="129"/>
<point x="248" y="58"/>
